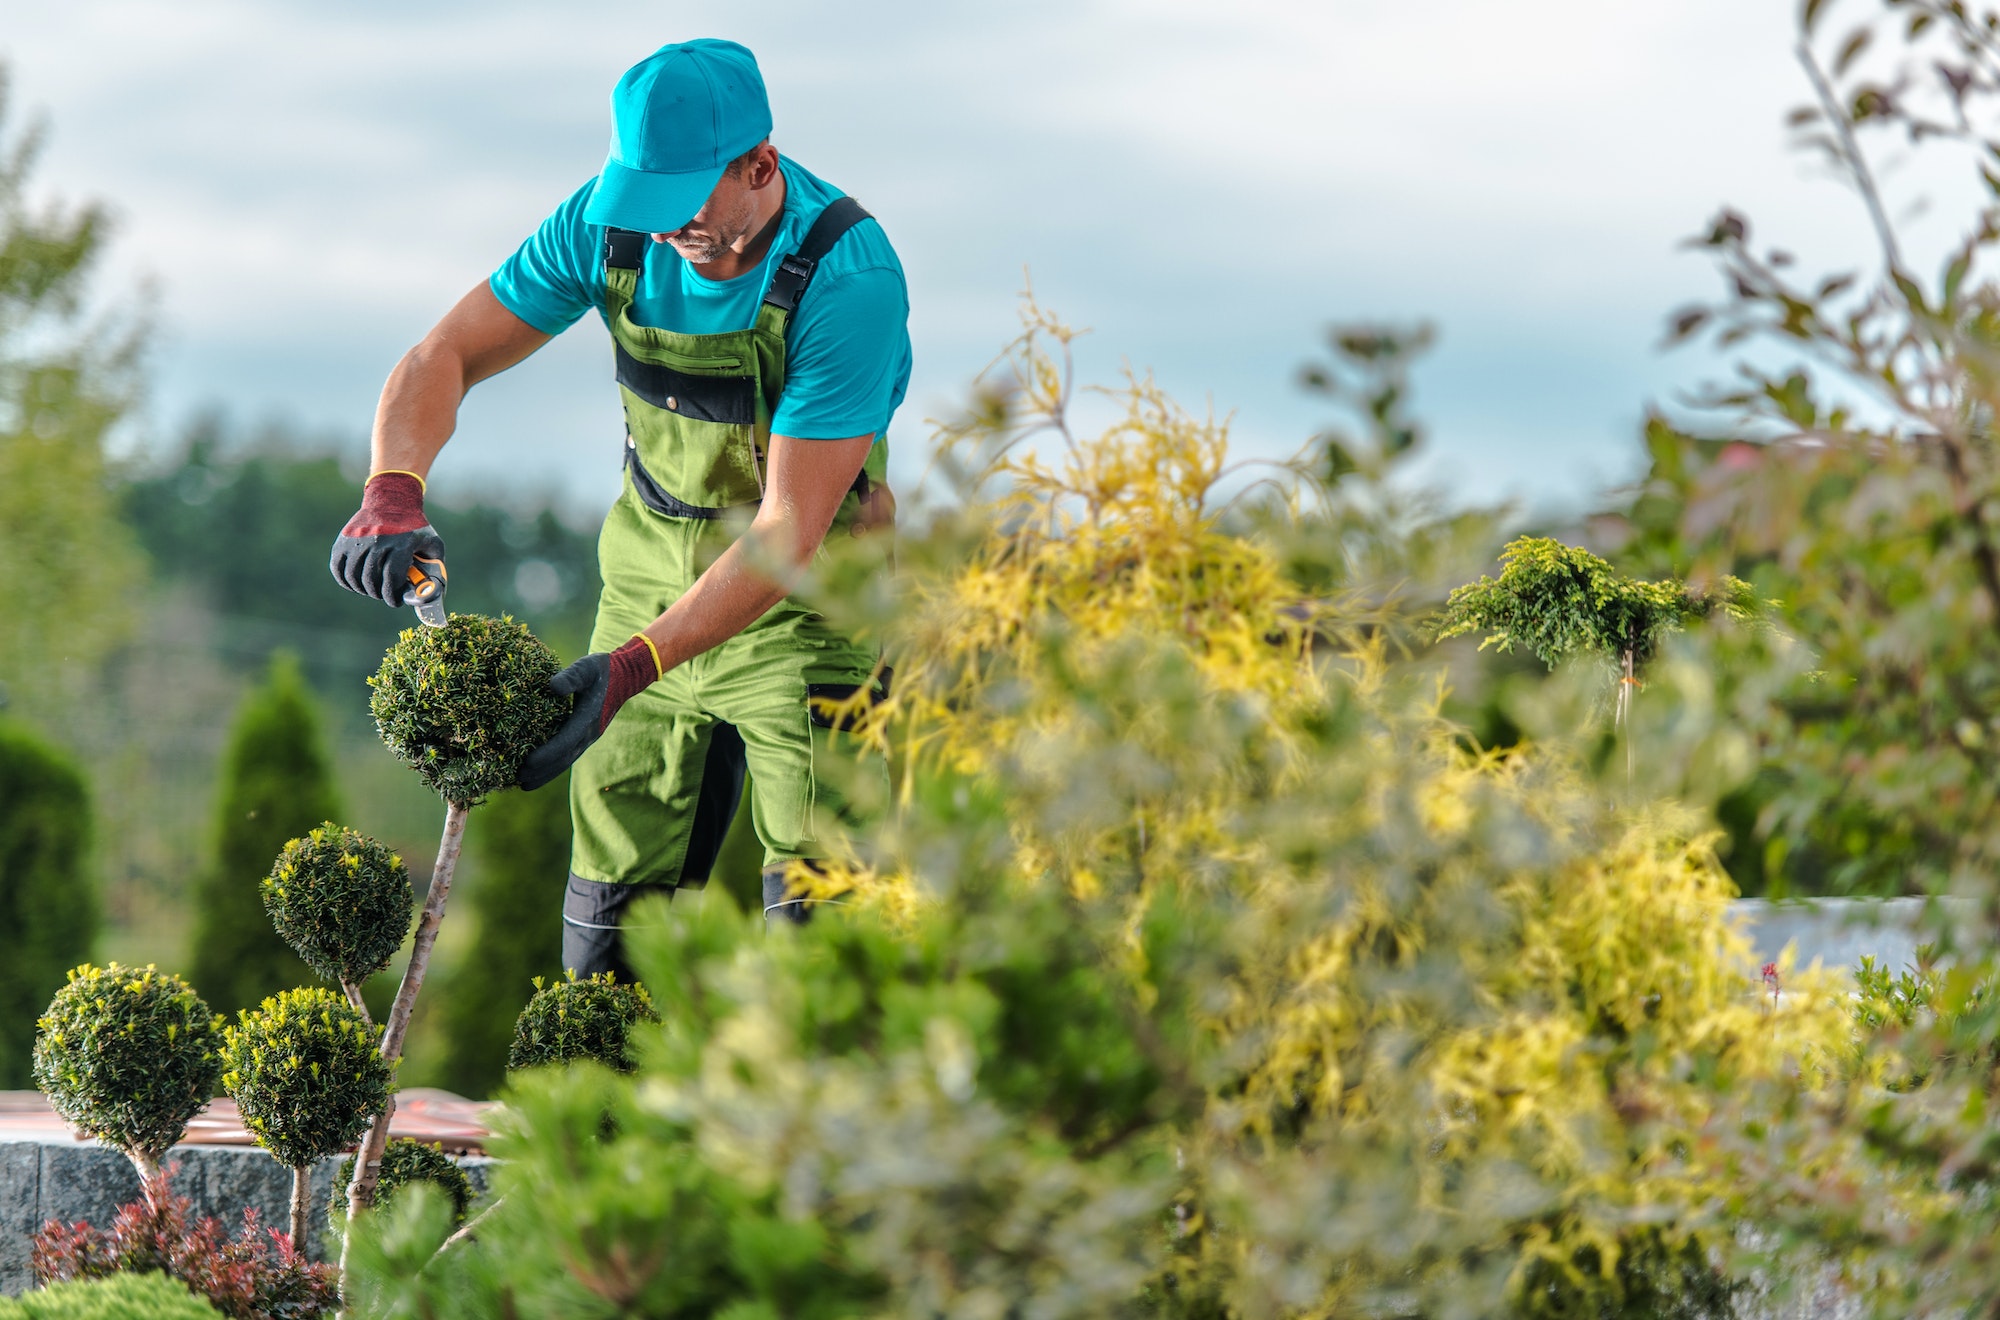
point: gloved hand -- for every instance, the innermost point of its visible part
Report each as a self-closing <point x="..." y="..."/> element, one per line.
<point x="601" y="682"/>
<point x="372" y="554"/>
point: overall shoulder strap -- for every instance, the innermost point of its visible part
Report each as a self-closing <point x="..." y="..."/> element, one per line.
<point x="795" y="272"/>
<point x="624" y="254"/>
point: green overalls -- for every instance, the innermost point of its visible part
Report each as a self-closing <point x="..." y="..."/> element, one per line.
<point x="652" y="799"/>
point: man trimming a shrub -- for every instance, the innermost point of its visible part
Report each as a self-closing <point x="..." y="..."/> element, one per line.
<point x="759" y="324"/>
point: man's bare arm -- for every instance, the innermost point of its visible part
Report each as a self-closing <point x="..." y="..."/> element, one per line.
<point x="419" y="406"/>
<point x="808" y="480"/>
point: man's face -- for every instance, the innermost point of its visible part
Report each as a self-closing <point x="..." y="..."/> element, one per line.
<point x="724" y="220"/>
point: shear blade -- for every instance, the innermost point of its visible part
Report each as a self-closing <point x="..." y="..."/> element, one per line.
<point x="431" y="612"/>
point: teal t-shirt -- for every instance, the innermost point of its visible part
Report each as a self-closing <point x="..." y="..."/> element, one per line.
<point x="847" y="355"/>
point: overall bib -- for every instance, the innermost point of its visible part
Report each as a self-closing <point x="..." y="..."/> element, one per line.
<point x="651" y="800"/>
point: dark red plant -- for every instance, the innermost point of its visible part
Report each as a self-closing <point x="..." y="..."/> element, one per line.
<point x="255" y="1275"/>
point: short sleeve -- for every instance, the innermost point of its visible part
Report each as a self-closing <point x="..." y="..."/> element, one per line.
<point x="847" y="356"/>
<point x="551" y="280"/>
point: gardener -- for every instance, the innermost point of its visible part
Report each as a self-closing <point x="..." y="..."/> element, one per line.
<point x="758" y="318"/>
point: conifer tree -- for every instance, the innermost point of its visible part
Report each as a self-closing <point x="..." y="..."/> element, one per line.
<point x="276" y="785"/>
<point x="48" y="907"/>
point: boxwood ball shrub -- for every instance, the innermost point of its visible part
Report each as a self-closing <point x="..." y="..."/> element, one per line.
<point x="405" y="1161"/>
<point x="305" y="1073"/>
<point x="129" y="1055"/>
<point x="462" y="705"/>
<point x="342" y="900"/>
<point x="572" y="1019"/>
<point x="308" y="1081"/>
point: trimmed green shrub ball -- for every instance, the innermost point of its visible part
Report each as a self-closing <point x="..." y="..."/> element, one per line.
<point x="129" y="1055"/>
<point x="464" y="704"/>
<point x="306" y="1073"/>
<point x="574" y="1019"/>
<point x="341" y="900"/>
<point x="404" y="1162"/>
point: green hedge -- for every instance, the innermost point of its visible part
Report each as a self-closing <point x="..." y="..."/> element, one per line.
<point x="120" y="1297"/>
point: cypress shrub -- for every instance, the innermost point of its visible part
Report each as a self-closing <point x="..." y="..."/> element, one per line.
<point x="48" y="906"/>
<point x="570" y="1019"/>
<point x="276" y="786"/>
<point x="522" y="841"/>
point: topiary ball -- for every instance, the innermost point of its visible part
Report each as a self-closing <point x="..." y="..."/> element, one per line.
<point x="404" y="1162"/>
<point x="575" y="1019"/>
<point x="306" y="1073"/>
<point x="129" y="1055"/>
<point x="340" y="899"/>
<point x="464" y="704"/>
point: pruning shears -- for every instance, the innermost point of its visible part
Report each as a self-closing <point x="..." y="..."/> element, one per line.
<point x="427" y="582"/>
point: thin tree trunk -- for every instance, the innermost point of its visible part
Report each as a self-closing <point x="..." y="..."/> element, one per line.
<point x="355" y="1001"/>
<point x="1624" y="720"/>
<point x="152" y="1183"/>
<point x="368" y="1160"/>
<point x="301" y="1206"/>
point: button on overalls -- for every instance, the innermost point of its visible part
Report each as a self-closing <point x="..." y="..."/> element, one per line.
<point x="652" y="799"/>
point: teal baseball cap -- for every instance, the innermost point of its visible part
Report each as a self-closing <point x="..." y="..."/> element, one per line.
<point x="678" y="117"/>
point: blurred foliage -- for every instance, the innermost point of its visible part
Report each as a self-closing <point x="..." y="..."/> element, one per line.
<point x="1202" y="970"/>
<point x="341" y="900"/>
<point x="67" y="566"/>
<point x="271" y="497"/>
<point x="129" y="1055"/>
<point x="462" y="705"/>
<point x="276" y="786"/>
<point x="117" y="1297"/>
<point x="48" y="906"/>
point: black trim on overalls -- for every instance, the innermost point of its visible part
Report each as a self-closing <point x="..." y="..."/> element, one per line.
<point x="730" y="400"/>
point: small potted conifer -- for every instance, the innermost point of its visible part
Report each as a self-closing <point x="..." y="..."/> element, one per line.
<point x="308" y="1079"/>
<point x="129" y="1055"/>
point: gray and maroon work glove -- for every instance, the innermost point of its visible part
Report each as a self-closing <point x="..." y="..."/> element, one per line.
<point x="373" y="552"/>
<point x="601" y="682"/>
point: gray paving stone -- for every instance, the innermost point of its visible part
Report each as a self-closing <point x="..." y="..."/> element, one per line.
<point x="20" y="1199"/>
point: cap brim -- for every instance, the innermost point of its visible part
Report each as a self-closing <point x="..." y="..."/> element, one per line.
<point x="651" y="203"/>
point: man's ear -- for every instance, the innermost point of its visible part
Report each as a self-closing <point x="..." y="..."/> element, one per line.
<point x="764" y="167"/>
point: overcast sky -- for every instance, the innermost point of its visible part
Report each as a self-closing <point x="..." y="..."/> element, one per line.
<point x="1206" y="185"/>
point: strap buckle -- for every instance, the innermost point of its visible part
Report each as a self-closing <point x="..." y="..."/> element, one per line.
<point x="788" y="282"/>
<point x="625" y="249"/>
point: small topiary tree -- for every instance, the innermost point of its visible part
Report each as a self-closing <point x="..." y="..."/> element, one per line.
<point x="276" y="785"/>
<point x="571" y="1019"/>
<point x="342" y="901"/>
<point x="1559" y="601"/>
<point x="308" y="1080"/>
<point x="117" y="1297"/>
<point x="48" y="907"/>
<point x="129" y="1055"/>
<point x="404" y="1162"/>
<point x="462" y="705"/>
